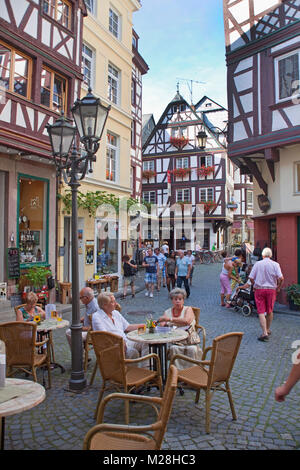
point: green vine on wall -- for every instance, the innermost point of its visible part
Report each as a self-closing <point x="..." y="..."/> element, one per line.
<point x="90" y="201"/>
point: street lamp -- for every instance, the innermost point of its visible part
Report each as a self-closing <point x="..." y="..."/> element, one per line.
<point x="90" y="117"/>
<point x="202" y="138"/>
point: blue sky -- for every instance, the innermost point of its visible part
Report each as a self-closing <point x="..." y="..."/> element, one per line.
<point x="181" y="39"/>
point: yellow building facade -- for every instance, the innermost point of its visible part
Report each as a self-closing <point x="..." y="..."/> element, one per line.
<point x="107" y="69"/>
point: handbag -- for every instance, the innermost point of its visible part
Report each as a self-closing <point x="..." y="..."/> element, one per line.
<point x="193" y="338"/>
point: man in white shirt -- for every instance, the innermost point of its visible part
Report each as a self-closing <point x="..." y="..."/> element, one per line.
<point x="191" y="257"/>
<point x="107" y="318"/>
<point x="165" y="248"/>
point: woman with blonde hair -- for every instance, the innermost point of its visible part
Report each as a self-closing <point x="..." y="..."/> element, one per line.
<point x="30" y="309"/>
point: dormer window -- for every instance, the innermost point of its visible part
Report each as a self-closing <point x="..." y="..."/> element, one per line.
<point x="59" y="10"/>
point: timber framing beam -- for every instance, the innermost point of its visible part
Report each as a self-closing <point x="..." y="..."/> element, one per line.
<point x="257" y="175"/>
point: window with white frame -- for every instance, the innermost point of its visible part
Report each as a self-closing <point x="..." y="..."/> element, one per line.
<point x="297" y="173"/>
<point x="183" y="195"/>
<point x="113" y="84"/>
<point x="112" y="152"/>
<point x="114" y="23"/>
<point x="287" y="75"/>
<point x="207" y="160"/>
<point x="178" y="108"/>
<point x="249" y="199"/>
<point x="88" y="60"/>
<point x="149" y="196"/>
<point x="90" y="5"/>
<point x="149" y="165"/>
<point x="207" y="194"/>
<point x="182" y="162"/>
<point x="179" y="132"/>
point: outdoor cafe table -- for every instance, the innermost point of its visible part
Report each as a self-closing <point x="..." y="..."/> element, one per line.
<point x="44" y="329"/>
<point x="158" y="344"/>
<point x="18" y="395"/>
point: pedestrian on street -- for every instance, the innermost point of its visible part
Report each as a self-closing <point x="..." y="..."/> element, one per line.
<point x="267" y="279"/>
<point x="225" y="279"/>
<point x="161" y="264"/>
<point x="170" y="266"/>
<point x="129" y="271"/>
<point x="191" y="257"/>
<point x="165" y="248"/>
<point x="294" y="376"/>
<point x="151" y="264"/>
<point x="183" y="271"/>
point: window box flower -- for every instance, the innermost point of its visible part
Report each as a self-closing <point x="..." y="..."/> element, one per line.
<point x="209" y="206"/>
<point x="179" y="142"/>
<point x="205" y="170"/>
<point x="148" y="174"/>
<point x="181" y="172"/>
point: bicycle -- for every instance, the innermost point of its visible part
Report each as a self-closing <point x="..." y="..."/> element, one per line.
<point x="205" y="257"/>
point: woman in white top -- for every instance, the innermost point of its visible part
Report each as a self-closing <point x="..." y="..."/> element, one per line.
<point x="181" y="316"/>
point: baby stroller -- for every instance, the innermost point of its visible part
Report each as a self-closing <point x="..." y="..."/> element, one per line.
<point x="245" y="301"/>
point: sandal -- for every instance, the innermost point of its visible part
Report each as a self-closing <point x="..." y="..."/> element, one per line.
<point x="269" y="333"/>
<point x="263" y="338"/>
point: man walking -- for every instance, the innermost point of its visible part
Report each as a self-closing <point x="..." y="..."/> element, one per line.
<point x="151" y="264"/>
<point x="267" y="279"/>
<point x="183" y="271"/>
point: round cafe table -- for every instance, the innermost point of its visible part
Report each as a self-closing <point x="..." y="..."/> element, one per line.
<point x="17" y="396"/>
<point x="44" y="329"/>
<point x="158" y="344"/>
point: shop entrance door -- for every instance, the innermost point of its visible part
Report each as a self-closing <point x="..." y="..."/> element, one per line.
<point x="273" y="238"/>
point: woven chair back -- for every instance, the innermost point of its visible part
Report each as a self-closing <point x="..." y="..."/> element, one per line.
<point x="17" y="307"/>
<point x="224" y="351"/>
<point x="196" y="311"/>
<point x="19" y="339"/>
<point x="166" y="408"/>
<point x="109" y="350"/>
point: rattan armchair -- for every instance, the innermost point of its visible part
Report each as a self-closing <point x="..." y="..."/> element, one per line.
<point x="199" y="328"/>
<point x="120" y="372"/>
<point x="21" y="349"/>
<point x="121" y="437"/>
<point x="214" y="374"/>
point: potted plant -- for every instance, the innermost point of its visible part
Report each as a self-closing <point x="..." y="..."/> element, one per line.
<point x="182" y="172"/>
<point x="179" y="142"/>
<point x="36" y="278"/>
<point x="205" y="170"/>
<point x="148" y="174"/>
<point x="293" y="296"/>
<point x="209" y="205"/>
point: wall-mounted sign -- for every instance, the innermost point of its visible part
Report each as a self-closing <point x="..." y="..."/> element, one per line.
<point x="263" y="203"/>
<point x="13" y="263"/>
<point x="232" y="205"/>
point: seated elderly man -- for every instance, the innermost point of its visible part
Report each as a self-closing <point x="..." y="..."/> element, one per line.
<point x="109" y="319"/>
<point x="91" y="306"/>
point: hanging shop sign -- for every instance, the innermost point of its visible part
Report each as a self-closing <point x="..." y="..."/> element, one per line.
<point x="263" y="203"/>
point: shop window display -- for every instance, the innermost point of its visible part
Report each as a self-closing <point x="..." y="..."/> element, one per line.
<point x="107" y="248"/>
<point x="33" y="204"/>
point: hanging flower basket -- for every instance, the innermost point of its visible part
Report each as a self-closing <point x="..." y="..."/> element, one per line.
<point x="148" y="174"/>
<point x="179" y="142"/>
<point x="182" y="172"/>
<point x="205" y="170"/>
<point x="209" y="206"/>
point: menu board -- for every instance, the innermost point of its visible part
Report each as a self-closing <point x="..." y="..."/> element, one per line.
<point x="13" y="263"/>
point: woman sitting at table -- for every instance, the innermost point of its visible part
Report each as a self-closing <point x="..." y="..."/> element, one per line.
<point x="30" y="309"/>
<point x="181" y="316"/>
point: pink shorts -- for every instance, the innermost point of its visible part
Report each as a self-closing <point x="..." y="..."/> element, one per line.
<point x="225" y="284"/>
<point x="265" y="300"/>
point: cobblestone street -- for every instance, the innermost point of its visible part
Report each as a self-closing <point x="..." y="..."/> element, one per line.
<point x="63" y="419"/>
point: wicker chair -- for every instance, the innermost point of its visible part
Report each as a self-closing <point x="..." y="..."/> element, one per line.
<point x="121" y="437"/>
<point x="21" y="354"/>
<point x="199" y="328"/>
<point x="51" y="344"/>
<point x="88" y="345"/>
<point x="216" y="376"/>
<point x="120" y="372"/>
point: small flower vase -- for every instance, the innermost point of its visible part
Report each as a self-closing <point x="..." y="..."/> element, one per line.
<point x="151" y="329"/>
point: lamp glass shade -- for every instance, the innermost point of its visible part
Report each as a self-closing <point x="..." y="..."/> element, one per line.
<point x="61" y="135"/>
<point x="202" y="139"/>
<point x="90" y="117"/>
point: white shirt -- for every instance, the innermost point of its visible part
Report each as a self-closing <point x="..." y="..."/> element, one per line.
<point x="102" y="322"/>
<point x="165" y="248"/>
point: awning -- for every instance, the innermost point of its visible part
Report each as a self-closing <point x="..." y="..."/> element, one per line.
<point x="237" y="224"/>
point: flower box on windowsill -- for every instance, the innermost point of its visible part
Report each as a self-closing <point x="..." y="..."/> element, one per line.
<point x="209" y="206"/>
<point x="205" y="170"/>
<point x="181" y="172"/>
<point x="148" y="174"/>
<point x="179" y="142"/>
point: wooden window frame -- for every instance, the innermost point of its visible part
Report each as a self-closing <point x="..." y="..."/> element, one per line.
<point x="12" y="71"/>
<point x="118" y="84"/>
<point x="53" y="5"/>
<point x="53" y="73"/>
<point x="183" y="194"/>
<point x="206" y="194"/>
<point x="146" y="165"/>
<point x="111" y="29"/>
<point x="182" y="160"/>
<point x="279" y="100"/>
<point x="92" y="59"/>
<point x="297" y="181"/>
<point x="115" y="148"/>
<point x="149" y="192"/>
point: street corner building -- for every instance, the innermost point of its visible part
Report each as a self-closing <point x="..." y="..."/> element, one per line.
<point x="263" y="60"/>
<point x="40" y="73"/>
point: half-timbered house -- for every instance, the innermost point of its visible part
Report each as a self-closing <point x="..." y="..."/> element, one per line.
<point x="263" y="59"/>
<point x="40" y="74"/>
<point x="177" y="172"/>
<point x="139" y="68"/>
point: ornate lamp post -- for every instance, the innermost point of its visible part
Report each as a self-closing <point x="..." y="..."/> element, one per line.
<point x="90" y="117"/>
<point x="202" y="138"/>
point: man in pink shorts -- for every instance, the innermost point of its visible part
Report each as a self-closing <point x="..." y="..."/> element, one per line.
<point x="267" y="279"/>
